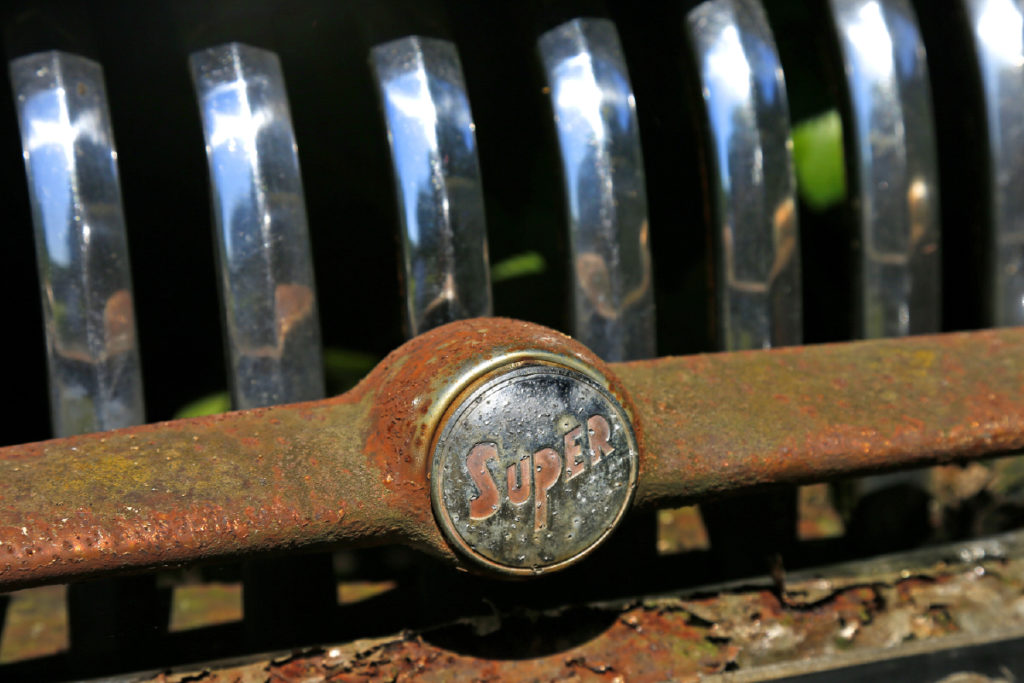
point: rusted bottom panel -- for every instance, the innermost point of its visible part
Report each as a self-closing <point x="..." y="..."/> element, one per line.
<point x="846" y="615"/>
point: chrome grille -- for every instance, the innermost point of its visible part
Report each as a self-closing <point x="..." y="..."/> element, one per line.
<point x="643" y="154"/>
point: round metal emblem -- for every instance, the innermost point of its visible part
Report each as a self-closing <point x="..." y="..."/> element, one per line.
<point x="533" y="468"/>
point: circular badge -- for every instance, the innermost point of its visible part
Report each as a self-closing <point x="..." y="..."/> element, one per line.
<point x="533" y="469"/>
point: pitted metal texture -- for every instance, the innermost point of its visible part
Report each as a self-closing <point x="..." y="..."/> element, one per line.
<point x="534" y="467"/>
<point x="356" y="469"/>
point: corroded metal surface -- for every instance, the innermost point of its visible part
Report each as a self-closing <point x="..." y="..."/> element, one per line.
<point x="534" y="468"/>
<point x="720" y="422"/>
<point x="353" y="469"/>
<point x="349" y="470"/>
<point x="841" y="616"/>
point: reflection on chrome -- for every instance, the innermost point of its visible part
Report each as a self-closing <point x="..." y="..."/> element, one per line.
<point x="81" y="248"/>
<point x="753" y="192"/>
<point x="595" y="117"/>
<point x="998" y="31"/>
<point x="437" y="181"/>
<point x="896" y="170"/>
<point x="266" y="270"/>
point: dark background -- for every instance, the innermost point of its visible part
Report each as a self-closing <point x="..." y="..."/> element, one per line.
<point x="323" y="46"/>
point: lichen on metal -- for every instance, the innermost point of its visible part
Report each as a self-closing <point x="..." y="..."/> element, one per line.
<point x="353" y="470"/>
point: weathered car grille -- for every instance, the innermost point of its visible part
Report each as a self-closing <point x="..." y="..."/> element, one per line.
<point x="655" y="180"/>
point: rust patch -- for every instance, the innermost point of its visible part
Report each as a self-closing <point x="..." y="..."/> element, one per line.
<point x="185" y="491"/>
<point x="349" y="470"/>
<point x="353" y="470"/>
<point x="720" y="422"/>
<point x="417" y="383"/>
<point x="684" y="638"/>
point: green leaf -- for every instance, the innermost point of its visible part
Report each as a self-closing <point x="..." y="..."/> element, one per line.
<point x="519" y="265"/>
<point x="818" y="156"/>
<point x="212" y="404"/>
<point x="344" y="368"/>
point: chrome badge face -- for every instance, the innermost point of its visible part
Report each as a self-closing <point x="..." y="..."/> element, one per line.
<point x="533" y="469"/>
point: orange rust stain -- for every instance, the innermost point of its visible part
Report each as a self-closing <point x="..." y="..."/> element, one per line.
<point x="407" y="382"/>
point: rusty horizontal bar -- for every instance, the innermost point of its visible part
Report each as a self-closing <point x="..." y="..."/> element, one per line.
<point x="353" y="469"/>
<point x="721" y="422"/>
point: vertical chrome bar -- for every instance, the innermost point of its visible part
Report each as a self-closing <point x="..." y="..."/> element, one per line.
<point x="82" y="254"/>
<point x="268" y="294"/>
<point x="754" y="220"/>
<point x="602" y="164"/>
<point x="753" y="190"/>
<point x="269" y="299"/>
<point x="81" y="247"/>
<point x="437" y="181"/>
<point x="896" y="169"/>
<point x="893" y="154"/>
<point x="998" y="33"/>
